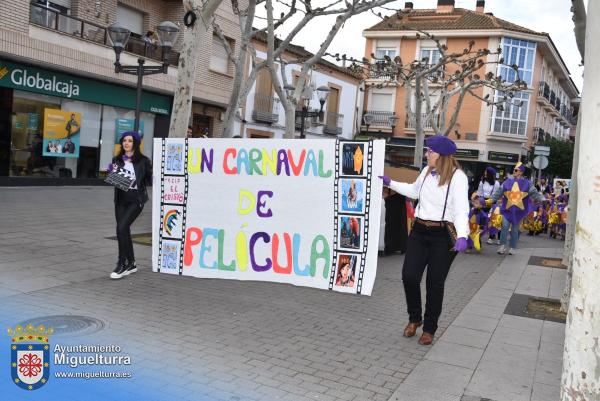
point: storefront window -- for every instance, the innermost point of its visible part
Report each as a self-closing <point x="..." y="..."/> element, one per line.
<point x="115" y="121"/>
<point x="53" y="137"/>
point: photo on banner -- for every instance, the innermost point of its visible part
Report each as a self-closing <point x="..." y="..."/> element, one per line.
<point x="123" y="125"/>
<point x="353" y="195"/>
<point x="350" y="230"/>
<point x="346" y="268"/>
<point x="61" y="133"/>
<point x="275" y="211"/>
<point x="353" y="159"/>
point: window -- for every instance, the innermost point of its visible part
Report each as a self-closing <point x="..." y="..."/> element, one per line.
<point x="381" y="102"/>
<point x="131" y="19"/>
<point x="48" y="11"/>
<point x="513" y="119"/>
<point x="219" y="61"/>
<point x="432" y="55"/>
<point x="62" y="6"/>
<point x="381" y="52"/>
<point x="521" y="53"/>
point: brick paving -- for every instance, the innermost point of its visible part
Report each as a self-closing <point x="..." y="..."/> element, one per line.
<point x="220" y="339"/>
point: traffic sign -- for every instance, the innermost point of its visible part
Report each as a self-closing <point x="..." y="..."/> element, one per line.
<point x="540" y="162"/>
<point x="541" y="151"/>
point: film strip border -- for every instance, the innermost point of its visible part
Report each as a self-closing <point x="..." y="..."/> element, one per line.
<point x="185" y="196"/>
<point x="183" y="205"/>
<point x="335" y="213"/>
<point x="162" y="209"/>
<point x="366" y="221"/>
<point x="363" y="252"/>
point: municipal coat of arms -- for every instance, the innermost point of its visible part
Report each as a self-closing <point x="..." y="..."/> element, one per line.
<point x="30" y="356"/>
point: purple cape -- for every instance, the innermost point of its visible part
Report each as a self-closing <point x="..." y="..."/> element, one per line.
<point x="513" y="213"/>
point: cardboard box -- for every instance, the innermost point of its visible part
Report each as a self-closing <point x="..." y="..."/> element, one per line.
<point x="402" y="174"/>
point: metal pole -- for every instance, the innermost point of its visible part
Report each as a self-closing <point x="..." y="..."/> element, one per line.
<point x="138" y="100"/>
<point x="304" y="111"/>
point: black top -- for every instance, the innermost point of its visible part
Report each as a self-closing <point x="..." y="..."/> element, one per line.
<point x="143" y="176"/>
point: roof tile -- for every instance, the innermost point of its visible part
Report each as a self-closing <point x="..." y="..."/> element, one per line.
<point x="460" y="18"/>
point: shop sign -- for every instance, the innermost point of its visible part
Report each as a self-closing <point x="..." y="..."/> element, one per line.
<point x="32" y="79"/>
<point x="503" y="157"/>
<point x="467" y="153"/>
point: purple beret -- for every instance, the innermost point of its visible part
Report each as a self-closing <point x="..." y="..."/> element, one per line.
<point x="490" y="170"/>
<point x="441" y="144"/>
<point x="133" y="134"/>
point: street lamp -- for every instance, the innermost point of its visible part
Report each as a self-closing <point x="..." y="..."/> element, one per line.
<point x="322" y="94"/>
<point x="119" y="36"/>
<point x="393" y="120"/>
<point x="368" y="120"/>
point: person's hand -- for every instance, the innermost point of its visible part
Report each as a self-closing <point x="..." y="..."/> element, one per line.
<point x="461" y="244"/>
<point x="489" y="202"/>
<point x="111" y="167"/>
<point x="386" y="180"/>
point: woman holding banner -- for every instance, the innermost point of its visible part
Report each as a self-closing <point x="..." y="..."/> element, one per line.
<point x="442" y="191"/>
<point x="129" y="204"/>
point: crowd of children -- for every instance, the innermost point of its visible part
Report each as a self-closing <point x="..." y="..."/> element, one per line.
<point x="548" y="217"/>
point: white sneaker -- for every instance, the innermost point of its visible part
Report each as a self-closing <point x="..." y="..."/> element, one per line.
<point x="511" y="251"/>
<point x="497" y="242"/>
<point x="502" y="250"/>
<point x="490" y="241"/>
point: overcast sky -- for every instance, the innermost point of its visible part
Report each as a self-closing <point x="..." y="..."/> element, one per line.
<point x="552" y="16"/>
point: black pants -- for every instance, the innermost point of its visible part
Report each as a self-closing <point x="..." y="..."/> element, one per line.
<point x="127" y="209"/>
<point x="427" y="247"/>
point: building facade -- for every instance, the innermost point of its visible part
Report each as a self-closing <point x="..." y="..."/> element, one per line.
<point x="485" y="135"/>
<point x="263" y="116"/>
<point x="57" y="70"/>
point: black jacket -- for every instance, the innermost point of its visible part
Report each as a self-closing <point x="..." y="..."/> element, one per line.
<point x="143" y="176"/>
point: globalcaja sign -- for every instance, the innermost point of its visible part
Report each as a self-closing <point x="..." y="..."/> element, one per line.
<point x="32" y="79"/>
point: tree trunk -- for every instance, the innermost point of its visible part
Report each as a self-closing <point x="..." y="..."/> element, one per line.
<point x="188" y="62"/>
<point x="570" y="235"/>
<point x="290" y="124"/>
<point x="581" y="363"/>
<point x="419" y="134"/>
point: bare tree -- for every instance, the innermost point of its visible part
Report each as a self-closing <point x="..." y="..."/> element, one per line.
<point x="202" y="12"/>
<point x="579" y="22"/>
<point x="441" y="88"/>
<point x="581" y="366"/>
<point x="277" y="57"/>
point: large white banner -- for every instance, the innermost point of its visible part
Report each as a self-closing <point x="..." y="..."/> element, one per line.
<point x="304" y="212"/>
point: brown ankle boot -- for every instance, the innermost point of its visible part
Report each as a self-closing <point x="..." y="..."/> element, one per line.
<point x="411" y="329"/>
<point x="426" y="338"/>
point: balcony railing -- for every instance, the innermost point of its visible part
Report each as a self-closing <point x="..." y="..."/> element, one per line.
<point x="266" y="108"/>
<point x="381" y="119"/>
<point x="381" y="70"/>
<point x="52" y="19"/>
<point x="544" y="90"/>
<point x="539" y="135"/>
<point x="411" y="121"/>
<point x="333" y="123"/>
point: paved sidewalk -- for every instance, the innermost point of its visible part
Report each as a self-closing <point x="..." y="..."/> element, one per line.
<point x="207" y="339"/>
<point x="489" y="354"/>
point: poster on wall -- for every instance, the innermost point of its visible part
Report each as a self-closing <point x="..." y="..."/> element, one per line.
<point x="562" y="185"/>
<point x="300" y="212"/>
<point x="124" y="125"/>
<point x="61" y="133"/>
